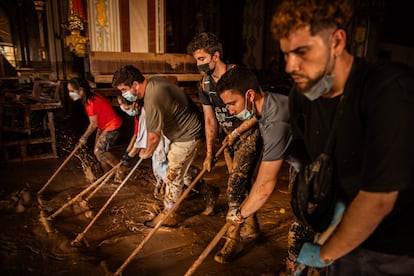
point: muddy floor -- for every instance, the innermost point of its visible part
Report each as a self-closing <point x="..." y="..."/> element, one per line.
<point x="27" y="249"/>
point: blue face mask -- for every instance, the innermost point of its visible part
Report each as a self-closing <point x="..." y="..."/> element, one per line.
<point x="320" y="88"/>
<point x="128" y="95"/>
<point x="131" y="112"/>
<point x="245" y="114"/>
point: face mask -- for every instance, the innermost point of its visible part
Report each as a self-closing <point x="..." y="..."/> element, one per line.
<point x="323" y="85"/>
<point x="131" y="112"/>
<point x="245" y="114"/>
<point x="320" y="88"/>
<point x="128" y="95"/>
<point x="205" y="68"/>
<point x="74" y="96"/>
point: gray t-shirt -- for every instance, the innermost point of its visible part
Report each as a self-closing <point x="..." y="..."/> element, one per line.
<point x="274" y="126"/>
<point x="170" y="110"/>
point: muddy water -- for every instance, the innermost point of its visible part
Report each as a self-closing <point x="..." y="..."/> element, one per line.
<point x="26" y="248"/>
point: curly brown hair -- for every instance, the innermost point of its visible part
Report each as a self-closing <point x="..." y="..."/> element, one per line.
<point x="207" y="41"/>
<point x="319" y="15"/>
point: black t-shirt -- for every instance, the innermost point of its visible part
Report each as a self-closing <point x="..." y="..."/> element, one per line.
<point x="373" y="149"/>
<point x="208" y="96"/>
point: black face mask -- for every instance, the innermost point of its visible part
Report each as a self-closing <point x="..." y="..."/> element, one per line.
<point x="205" y="68"/>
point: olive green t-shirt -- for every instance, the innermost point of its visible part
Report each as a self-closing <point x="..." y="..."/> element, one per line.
<point x="170" y="110"/>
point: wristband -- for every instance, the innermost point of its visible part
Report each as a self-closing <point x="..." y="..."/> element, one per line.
<point x="239" y="214"/>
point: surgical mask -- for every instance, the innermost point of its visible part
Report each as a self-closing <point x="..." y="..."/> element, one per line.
<point x="320" y="88"/>
<point x="131" y="112"/>
<point x="74" y="96"/>
<point x="128" y="95"/>
<point x="205" y="68"/>
<point x="245" y="114"/>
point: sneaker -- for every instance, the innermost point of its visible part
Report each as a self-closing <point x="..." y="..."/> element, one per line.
<point x="250" y="229"/>
<point x="229" y="252"/>
<point x="171" y="221"/>
<point x="232" y="247"/>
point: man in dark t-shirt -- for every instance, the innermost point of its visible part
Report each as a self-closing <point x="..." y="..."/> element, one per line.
<point x="243" y="138"/>
<point x="373" y="155"/>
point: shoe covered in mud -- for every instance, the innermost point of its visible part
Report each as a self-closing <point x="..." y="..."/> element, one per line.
<point x="211" y="194"/>
<point x="170" y="221"/>
<point x="250" y="228"/>
<point x="232" y="247"/>
<point x="121" y="173"/>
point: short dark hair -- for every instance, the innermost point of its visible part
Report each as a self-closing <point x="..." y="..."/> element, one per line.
<point x="207" y="41"/>
<point x="127" y="75"/>
<point x="239" y="79"/>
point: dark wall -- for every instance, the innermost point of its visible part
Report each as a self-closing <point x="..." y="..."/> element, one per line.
<point x="398" y="23"/>
<point x="187" y="18"/>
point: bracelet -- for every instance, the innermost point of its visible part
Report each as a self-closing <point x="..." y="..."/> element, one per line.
<point x="239" y="214"/>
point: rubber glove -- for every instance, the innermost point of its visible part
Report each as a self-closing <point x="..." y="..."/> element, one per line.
<point x="234" y="216"/>
<point x="338" y="213"/>
<point x="125" y="159"/>
<point x="310" y="255"/>
<point x="208" y="161"/>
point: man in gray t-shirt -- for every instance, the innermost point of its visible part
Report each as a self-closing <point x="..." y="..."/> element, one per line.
<point x="169" y="112"/>
<point x="272" y="112"/>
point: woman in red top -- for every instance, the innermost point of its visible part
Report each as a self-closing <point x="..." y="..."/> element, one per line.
<point x="102" y="118"/>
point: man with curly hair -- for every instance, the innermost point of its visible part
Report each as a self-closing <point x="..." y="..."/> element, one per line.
<point x="373" y="155"/>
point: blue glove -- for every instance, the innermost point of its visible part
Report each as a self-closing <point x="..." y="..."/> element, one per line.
<point x="310" y="255"/>
<point x="338" y="212"/>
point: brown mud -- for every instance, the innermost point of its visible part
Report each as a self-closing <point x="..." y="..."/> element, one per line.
<point x="27" y="249"/>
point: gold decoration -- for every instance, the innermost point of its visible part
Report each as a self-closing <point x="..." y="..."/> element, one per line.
<point x="101" y="8"/>
<point x="76" y="43"/>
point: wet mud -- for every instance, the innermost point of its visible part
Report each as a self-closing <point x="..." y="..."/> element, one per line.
<point x="27" y="249"/>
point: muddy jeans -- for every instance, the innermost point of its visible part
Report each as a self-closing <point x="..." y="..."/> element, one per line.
<point x="180" y="156"/>
<point x="245" y="153"/>
<point x="103" y="141"/>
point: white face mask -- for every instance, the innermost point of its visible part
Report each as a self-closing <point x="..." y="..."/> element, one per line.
<point x="74" y="96"/>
